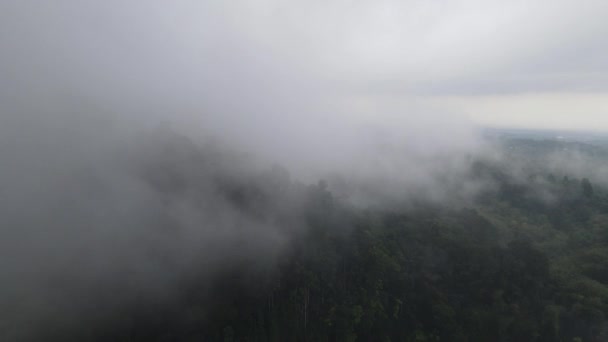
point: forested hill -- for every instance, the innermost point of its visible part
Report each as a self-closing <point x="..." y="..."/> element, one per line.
<point x="536" y="148"/>
<point x="526" y="260"/>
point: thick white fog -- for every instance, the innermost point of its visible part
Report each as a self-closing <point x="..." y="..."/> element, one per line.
<point x="81" y="73"/>
<point x="97" y="96"/>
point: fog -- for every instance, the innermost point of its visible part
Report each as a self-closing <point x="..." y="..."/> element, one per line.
<point x="97" y="97"/>
<point x="90" y="75"/>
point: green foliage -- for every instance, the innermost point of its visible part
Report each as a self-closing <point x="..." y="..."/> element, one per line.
<point x="513" y="266"/>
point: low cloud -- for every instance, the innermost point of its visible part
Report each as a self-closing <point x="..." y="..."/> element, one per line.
<point x="101" y="207"/>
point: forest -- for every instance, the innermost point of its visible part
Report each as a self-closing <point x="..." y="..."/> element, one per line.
<point x="525" y="259"/>
<point x="303" y="171"/>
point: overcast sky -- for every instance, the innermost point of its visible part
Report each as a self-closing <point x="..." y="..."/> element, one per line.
<point x="509" y="63"/>
<point x="537" y="64"/>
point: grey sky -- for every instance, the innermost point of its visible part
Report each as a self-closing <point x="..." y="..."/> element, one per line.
<point x="510" y="63"/>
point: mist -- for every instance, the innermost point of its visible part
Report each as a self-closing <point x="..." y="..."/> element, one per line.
<point x="123" y="126"/>
<point x="82" y="79"/>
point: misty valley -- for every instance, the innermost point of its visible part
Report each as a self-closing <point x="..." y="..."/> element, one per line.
<point x="220" y="248"/>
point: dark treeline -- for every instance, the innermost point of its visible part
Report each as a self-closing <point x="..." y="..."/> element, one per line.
<point x="527" y="260"/>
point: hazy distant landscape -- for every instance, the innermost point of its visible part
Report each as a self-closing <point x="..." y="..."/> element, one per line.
<point x="303" y="171"/>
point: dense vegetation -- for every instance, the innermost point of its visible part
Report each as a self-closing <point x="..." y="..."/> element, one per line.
<point x="526" y="260"/>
